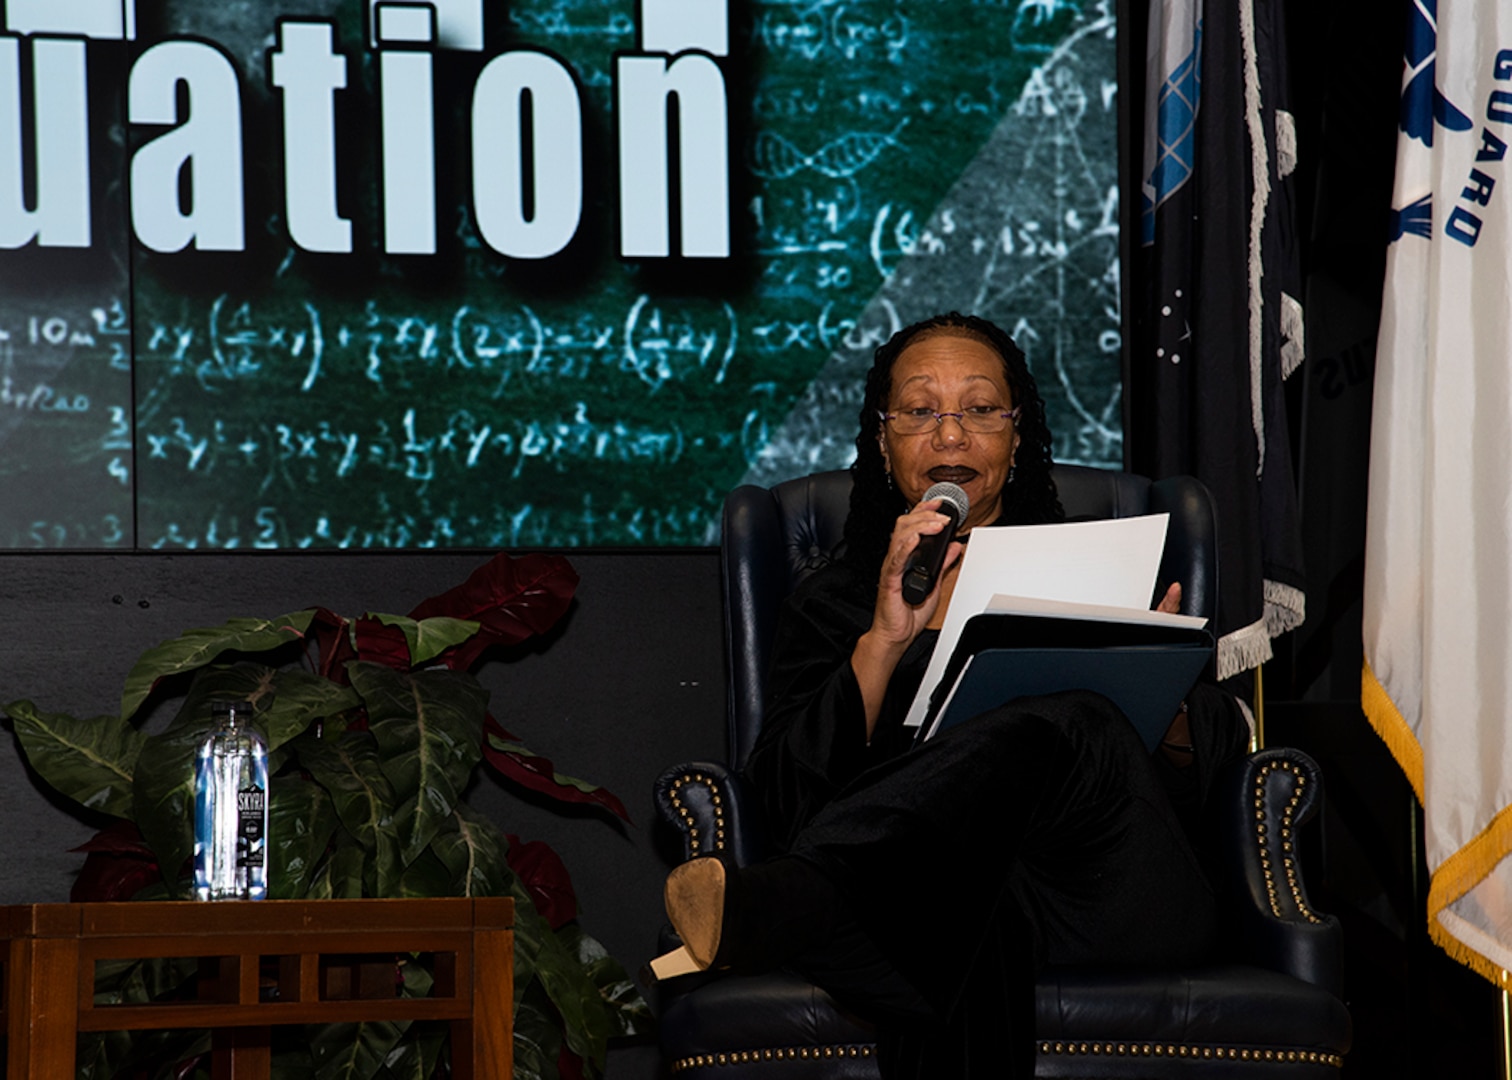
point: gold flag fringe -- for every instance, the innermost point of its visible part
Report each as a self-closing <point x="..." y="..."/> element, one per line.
<point x="1460" y="873"/>
<point x="1387" y="720"/>
<point x="1468" y="866"/>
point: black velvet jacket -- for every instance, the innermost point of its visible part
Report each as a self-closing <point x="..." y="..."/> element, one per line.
<point x="813" y="742"/>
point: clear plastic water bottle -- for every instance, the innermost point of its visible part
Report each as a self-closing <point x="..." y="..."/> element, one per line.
<point x="231" y="808"/>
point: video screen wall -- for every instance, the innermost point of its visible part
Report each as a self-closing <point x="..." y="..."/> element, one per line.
<point x="519" y="273"/>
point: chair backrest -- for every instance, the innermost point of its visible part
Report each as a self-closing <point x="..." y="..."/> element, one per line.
<point x="775" y="537"/>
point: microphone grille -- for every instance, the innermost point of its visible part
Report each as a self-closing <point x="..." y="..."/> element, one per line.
<point x="952" y="493"/>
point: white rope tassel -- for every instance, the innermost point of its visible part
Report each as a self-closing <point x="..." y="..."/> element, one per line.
<point x="1244" y="649"/>
<point x="1293" y="335"/>
<point x="1286" y="144"/>
<point x="1259" y="200"/>
<point x="1285" y="607"/>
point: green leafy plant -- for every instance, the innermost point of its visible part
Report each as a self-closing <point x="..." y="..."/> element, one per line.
<point x="375" y="727"/>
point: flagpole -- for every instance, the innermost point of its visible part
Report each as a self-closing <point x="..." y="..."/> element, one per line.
<point x="1258" y="742"/>
<point x="1506" y="1031"/>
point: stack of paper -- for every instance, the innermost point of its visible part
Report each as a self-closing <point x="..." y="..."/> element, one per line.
<point x="1043" y="608"/>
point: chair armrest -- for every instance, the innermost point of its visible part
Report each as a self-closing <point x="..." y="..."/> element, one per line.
<point x="1265" y="799"/>
<point x="706" y="802"/>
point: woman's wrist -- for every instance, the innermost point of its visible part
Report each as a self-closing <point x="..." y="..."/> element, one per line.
<point x="872" y="662"/>
<point x="875" y="651"/>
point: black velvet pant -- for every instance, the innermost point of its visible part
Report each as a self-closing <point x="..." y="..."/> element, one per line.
<point x="1036" y="833"/>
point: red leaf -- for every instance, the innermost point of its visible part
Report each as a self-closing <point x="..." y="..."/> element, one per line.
<point x="538" y="774"/>
<point x="510" y="598"/>
<point x="119" y="865"/>
<point x="118" y="838"/>
<point x="545" y="877"/>
<point x="335" y="648"/>
<point x="569" y="1065"/>
<point x="382" y="644"/>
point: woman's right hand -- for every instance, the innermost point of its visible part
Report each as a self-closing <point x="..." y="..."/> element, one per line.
<point x="896" y="622"/>
<point x="894" y="619"/>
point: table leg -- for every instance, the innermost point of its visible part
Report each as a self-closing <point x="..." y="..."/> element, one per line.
<point x="43" y="1007"/>
<point x="491" y="1038"/>
<point x="241" y="1053"/>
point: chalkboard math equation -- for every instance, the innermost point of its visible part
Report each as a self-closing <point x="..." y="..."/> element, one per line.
<point x="893" y="159"/>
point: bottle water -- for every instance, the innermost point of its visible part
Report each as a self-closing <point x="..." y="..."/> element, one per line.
<point x="231" y="808"/>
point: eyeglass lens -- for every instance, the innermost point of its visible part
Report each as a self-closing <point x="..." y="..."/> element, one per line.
<point x="916" y="422"/>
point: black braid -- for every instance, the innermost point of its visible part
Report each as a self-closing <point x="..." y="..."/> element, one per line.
<point x="1031" y="498"/>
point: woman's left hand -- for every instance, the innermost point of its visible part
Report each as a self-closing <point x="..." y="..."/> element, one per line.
<point x="1170" y="603"/>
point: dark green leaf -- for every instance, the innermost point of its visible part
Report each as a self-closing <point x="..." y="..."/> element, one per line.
<point x="541" y="955"/>
<point x="299" y="699"/>
<point x="100" y="1054"/>
<point x="90" y="761"/>
<point x="537" y="1038"/>
<point x="243" y="681"/>
<point x="348" y="768"/>
<point x="353" y="1051"/>
<point x="428" y="725"/>
<point x="291" y="1061"/>
<point x="163" y="797"/>
<point x="427" y="876"/>
<point x="625" y="1008"/>
<point x="141" y="981"/>
<point x="416" y="978"/>
<point x="342" y="874"/>
<point x="301" y="821"/>
<point x="429" y="638"/>
<point x="476" y="853"/>
<point x="415" y="1056"/>
<point x="194" y="649"/>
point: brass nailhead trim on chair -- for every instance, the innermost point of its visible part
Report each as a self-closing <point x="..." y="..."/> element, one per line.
<point x="771" y="1054"/>
<point x="1263" y="834"/>
<point x="1192" y="1051"/>
<point x="1198" y="1051"/>
<point x="691" y="829"/>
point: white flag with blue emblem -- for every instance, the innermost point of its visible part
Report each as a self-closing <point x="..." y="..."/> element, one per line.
<point x="1438" y="571"/>
<point x="1173" y="83"/>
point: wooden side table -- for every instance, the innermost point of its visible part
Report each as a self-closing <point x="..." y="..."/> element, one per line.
<point x="326" y="954"/>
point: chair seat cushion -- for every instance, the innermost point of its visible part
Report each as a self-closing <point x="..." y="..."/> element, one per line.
<point x="1090" y="1022"/>
<point x="1229" y="1004"/>
<point x="735" y="1021"/>
<point x="1234" y="1015"/>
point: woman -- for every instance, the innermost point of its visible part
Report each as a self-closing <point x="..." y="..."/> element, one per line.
<point x="925" y="885"/>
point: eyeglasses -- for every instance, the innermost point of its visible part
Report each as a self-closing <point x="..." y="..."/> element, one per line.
<point x="979" y="419"/>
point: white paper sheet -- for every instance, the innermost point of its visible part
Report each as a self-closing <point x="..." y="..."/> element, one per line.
<point x="1065" y="609"/>
<point x="1111" y="562"/>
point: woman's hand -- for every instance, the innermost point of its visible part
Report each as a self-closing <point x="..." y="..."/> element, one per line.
<point x="896" y="622"/>
<point x="1176" y="743"/>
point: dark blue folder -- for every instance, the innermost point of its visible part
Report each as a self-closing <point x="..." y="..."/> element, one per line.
<point x="1146" y="670"/>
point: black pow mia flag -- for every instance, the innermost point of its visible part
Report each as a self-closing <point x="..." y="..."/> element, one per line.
<point x="1217" y="325"/>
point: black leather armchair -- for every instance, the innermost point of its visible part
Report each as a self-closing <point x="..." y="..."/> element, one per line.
<point x="1271" y="1010"/>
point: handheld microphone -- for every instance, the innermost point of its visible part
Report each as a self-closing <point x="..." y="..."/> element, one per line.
<point x="926" y="561"/>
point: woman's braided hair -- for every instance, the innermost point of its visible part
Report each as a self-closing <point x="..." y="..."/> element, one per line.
<point x="1030" y="499"/>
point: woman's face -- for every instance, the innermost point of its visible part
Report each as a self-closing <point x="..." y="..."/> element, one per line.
<point x="949" y="373"/>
